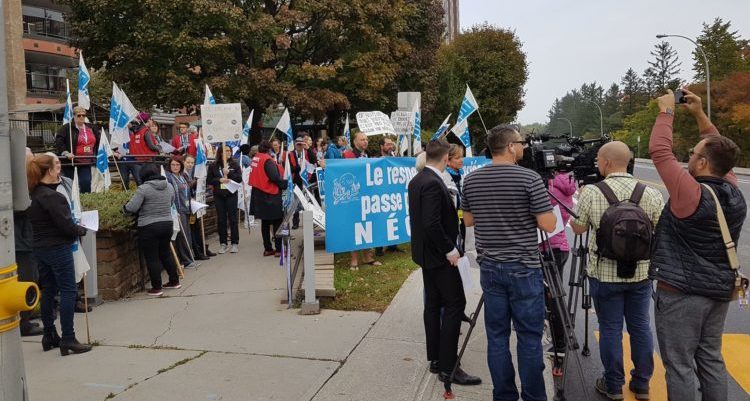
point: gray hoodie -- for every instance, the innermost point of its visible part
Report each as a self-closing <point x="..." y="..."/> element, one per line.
<point x="152" y="202"/>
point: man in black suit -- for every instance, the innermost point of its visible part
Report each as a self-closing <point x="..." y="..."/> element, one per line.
<point x="434" y="235"/>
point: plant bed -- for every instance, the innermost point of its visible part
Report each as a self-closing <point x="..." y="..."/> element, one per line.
<point x="371" y="288"/>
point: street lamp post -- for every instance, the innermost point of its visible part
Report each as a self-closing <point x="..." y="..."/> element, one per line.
<point x="569" y="123"/>
<point x="705" y="61"/>
<point x="601" y="117"/>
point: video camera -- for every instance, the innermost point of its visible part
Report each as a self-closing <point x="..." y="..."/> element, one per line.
<point x="549" y="153"/>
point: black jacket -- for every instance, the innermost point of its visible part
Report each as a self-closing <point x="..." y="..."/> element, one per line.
<point x="434" y="226"/>
<point x="51" y="218"/>
<point x="215" y="174"/>
<point x="296" y="168"/>
<point x="689" y="254"/>
<point x="62" y="139"/>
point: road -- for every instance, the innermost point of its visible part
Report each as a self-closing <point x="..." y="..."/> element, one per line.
<point x="736" y="348"/>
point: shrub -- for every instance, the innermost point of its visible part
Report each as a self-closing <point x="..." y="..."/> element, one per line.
<point x="109" y="204"/>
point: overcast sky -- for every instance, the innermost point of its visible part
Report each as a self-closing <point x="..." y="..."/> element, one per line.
<point x="571" y="42"/>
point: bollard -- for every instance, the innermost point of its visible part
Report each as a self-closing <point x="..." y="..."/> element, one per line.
<point x="311" y="306"/>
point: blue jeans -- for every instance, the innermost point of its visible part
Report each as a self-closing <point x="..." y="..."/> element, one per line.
<point x="84" y="176"/>
<point x="57" y="274"/>
<point x="612" y="302"/>
<point x="126" y="168"/>
<point x="514" y="291"/>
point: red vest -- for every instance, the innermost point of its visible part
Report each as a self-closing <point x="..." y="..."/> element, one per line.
<point x="259" y="178"/>
<point x="138" y="144"/>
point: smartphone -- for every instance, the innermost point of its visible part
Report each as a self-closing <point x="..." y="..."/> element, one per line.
<point x="679" y="96"/>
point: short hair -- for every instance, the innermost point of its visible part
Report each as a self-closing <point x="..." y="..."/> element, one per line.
<point x="177" y="159"/>
<point x="264" y="146"/>
<point x="499" y="137"/>
<point x="436" y="150"/>
<point x="722" y="154"/>
<point x="185" y="124"/>
<point x="245" y="149"/>
<point x="148" y="171"/>
<point x="385" y="138"/>
<point x="358" y="133"/>
<point x="275" y="140"/>
<point x="79" y="109"/>
<point x="454" y="151"/>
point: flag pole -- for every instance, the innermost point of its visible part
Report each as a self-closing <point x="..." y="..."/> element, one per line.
<point x="86" y="309"/>
<point x="482" y="120"/>
<point x="180" y="271"/>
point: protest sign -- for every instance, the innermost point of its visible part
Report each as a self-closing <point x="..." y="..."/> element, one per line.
<point x="367" y="202"/>
<point x="222" y="122"/>
<point x="374" y="123"/>
<point x="403" y="122"/>
<point x="321" y="183"/>
<point x="473" y="163"/>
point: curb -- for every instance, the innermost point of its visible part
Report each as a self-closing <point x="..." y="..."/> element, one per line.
<point x="737" y="170"/>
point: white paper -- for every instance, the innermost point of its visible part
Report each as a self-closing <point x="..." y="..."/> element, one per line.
<point x="196" y="206"/>
<point x="232" y="186"/>
<point x="559" y="226"/>
<point x="166" y="148"/>
<point x="463" y="270"/>
<point x="374" y="123"/>
<point x="90" y="220"/>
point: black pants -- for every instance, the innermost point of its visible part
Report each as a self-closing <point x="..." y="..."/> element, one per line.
<point x="27" y="271"/>
<point x="197" y="238"/>
<point x="184" y="241"/>
<point x="265" y="229"/>
<point x="443" y="290"/>
<point x="226" y="210"/>
<point x="558" y="331"/>
<point x="154" y="240"/>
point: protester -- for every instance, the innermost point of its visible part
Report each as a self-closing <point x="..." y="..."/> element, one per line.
<point x="342" y="144"/>
<point x="54" y="234"/>
<point x="200" y="250"/>
<point x="695" y="278"/>
<point x="220" y="173"/>
<point x="455" y="172"/>
<point x="277" y="152"/>
<point x="301" y="168"/>
<point x="184" y="141"/>
<point x="152" y="203"/>
<point x="387" y="148"/>
<point x="360" y="151"/>
<point x="327" y="150"/>
<point x="620" y="290"/>
<point x="434" y="232"/>
<point x="506" y="204"/>
<point x="84" y="139"/>
<point x="180" y="182"/>
<point x="267" y="180"/>
<point x="144" y="145"/>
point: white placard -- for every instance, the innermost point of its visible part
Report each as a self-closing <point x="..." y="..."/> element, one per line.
<point x="463" y="269"/>
<point x="222" y="122"/>
<point x="232" y="186"/>
<point x="196" y="206"/>
<point x="403" y="122"/>
<point x="90" y="220"/>
<point x="559" y="226"/>
<point x="374" y="123"/>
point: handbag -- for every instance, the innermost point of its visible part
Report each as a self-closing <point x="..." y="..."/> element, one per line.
<point x="741" y="282"/>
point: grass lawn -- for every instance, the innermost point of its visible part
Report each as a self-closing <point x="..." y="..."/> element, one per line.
<point x="371" y="288"/>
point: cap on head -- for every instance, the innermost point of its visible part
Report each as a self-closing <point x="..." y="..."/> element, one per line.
<point x="143" y="116"/>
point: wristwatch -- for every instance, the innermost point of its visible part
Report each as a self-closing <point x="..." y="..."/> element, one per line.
<point x="669" y="111"/>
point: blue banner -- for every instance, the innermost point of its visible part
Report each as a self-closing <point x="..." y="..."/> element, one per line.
<point x="473" y="163"/>
<point x="367" y="202"/>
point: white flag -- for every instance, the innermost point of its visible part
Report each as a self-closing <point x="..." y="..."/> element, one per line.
<point x="121" y="113"/>
<point x="285" y="126"/>
<point x="83" y="83"/>
<point x="209" y="97"/>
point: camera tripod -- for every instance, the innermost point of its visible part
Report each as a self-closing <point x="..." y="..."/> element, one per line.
<point x="579" y="285"/>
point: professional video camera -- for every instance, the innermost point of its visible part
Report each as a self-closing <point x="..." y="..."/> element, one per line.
<point x="549" y="153"/>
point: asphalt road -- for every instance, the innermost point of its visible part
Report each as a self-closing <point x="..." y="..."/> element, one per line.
<point x="736" y="339"/>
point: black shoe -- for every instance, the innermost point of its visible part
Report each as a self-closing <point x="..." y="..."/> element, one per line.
<point x="31" y="330"/>
<point x="640" y="393"/>
<point x="49" y="341"/>
<point x="601" y="387"/>
<point x="81" y="307"/>
<point x="210" y="254"/>
<point x="68" y="346"/>
<point x="434" y="367"/>
<point x="462" y="378"/>
<point x="201" y="257"/>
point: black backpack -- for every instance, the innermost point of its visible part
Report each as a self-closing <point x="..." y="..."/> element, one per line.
<point x="625" y="231"/>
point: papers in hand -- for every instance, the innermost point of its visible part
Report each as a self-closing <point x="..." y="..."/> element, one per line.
<point x="166" y="148"/>
<point x="232" y="186"/>
<point x="90" y="220"/>
<point x="463" y="270"/>
<point x="196" y="206"/>
<point x="559" y="226"/>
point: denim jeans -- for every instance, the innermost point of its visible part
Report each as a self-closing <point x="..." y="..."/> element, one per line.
<point x="57" y="274"/>
<point x="84" y="176"/>
<point x="126" y="169"/>
<point x="514" y="292"/>
<point x="612" y="302"/>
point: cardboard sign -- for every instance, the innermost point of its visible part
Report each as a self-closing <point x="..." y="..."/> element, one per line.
<point x="222" y="122"/>
<point x="403" y="122"/>
<point x="374" y="123"/>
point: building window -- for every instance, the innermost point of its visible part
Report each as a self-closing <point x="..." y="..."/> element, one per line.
<point x="45" y="22"/>
<point x="45" y="79"/>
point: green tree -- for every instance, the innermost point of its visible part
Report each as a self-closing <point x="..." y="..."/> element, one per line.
<point x="664" y="70"/>
<point x="724" y="49"/>
<point x="634" y="95"/>
<point x="473" y="59"/>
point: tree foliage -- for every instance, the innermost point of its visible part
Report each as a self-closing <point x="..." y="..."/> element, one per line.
<point x="725" y="51"/>
<point x="664" y="69"/>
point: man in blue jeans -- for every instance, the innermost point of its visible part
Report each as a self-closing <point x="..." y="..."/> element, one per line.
<point x="506" y="204"/>
<point x="617" y="296"/>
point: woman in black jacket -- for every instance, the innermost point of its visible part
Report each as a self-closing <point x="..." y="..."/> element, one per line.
<point x="55" y="235"/>
<point x="224" y="170"/>
<point x="267" y="181"/>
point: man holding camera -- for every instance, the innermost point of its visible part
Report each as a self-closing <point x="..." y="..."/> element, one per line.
<point x="619" y="285"/>
<point x="506" y="203"/>
<point x="434" y="242"/>
<point x="694" y="265"/>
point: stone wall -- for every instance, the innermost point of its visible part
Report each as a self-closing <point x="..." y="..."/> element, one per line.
<point x="119" y="268"/>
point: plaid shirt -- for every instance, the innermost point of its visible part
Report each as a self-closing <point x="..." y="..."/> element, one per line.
<point x="591" y="207"/>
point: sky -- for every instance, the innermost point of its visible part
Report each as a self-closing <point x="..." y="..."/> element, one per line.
<point x="568" y="43"/>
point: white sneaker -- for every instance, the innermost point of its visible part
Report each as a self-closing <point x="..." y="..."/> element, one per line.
<point x="193" y="265"/>
<point x="223" y="249"/>
<point x="235" y="248"/>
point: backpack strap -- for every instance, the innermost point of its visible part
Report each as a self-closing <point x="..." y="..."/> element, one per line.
<point x="607" y="192"/>
<point x="637" y="194"/>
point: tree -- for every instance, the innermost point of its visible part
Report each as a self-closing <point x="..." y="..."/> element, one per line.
<point x="474" y="59"/>
<point x="315" y="56"/>
<point x="724" y="49"/>
<point x="634" y="95"/>
<point x="664" y="70"/>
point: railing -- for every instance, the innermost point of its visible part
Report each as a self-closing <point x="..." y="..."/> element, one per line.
<point x="45" y="84"/>
<point x="45" y="26"/>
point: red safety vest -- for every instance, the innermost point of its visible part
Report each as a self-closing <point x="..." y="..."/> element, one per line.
<point x="138" y="145"/>
<point x="258" y="177"/>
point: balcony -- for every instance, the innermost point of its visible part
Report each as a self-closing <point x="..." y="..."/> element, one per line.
<point x="45" y="80"/>
<point x="45" y="23"/>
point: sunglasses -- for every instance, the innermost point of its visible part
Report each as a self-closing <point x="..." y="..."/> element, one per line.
<point x="80" y="115"/>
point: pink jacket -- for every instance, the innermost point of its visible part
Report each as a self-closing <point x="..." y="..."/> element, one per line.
<point x="563" y="186"/>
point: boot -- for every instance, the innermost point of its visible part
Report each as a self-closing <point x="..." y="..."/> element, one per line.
<point x="50" y="340"/>
<point x="68" y="346"/>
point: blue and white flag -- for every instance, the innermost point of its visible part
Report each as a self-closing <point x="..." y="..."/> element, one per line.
<point x="102" y="160"/>
<point x="83" y="83"/>
<point x="285" y="126"/>
<point x="80" y="263"/>
<point x="68" y="113"/>
<point x="121" y="113"/>
<point x="347" y="131"/>
<point x="246" y="128"/>
<point x="442" y="129"/>
<point x="201" y="161"/>
<point x="209" y="97"/>
<point x="468" y="106"/>
<point x="417" y="137"/>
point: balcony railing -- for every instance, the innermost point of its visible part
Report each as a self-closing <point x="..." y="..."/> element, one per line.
<point x="41" y="83"/>
<point x="47" y="27"/>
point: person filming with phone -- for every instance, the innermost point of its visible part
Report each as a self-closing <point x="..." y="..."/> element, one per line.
<point x="695" y="260"/>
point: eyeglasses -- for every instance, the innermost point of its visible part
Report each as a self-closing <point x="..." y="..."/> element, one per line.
<point x="692" y="152"/>
<point x="80" y="115"/>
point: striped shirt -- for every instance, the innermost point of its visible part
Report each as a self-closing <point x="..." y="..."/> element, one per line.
<point x="504" y="200"/>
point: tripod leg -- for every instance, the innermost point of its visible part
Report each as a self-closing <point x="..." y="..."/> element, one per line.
<point x="474" y="316"/>
<point x="586" y="307"/>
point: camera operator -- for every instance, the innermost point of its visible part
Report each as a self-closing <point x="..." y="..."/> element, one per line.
<point x="619" y="289"/>
<point x="695" y="277"/>
<point x="506" y="203"/>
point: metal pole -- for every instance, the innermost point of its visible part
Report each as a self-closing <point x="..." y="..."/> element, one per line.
<point x="601" y="117"/>
<point x="311" y="305"/>
<point x="708" y="72"/>
<point x="569" y="123"/>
